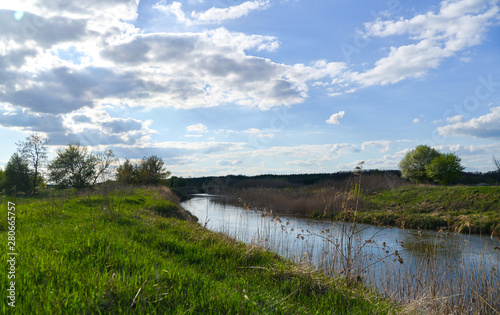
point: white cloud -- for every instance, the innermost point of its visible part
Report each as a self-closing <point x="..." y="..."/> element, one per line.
<point x="212" y="15"/>
<point x="416" y="121"/>
<point x="381" y="145"/>
<point x="486" y="126"/>
<point x="175" y="9"/>
<point x="458" y="25"/>
<point x="455" y="119"/>
<point x="335" y="118"/>
<point x="197" y="128"/>
<point x="257" y="133"/>
<point x="117" y="9"/>
<point x="228" y="163"/>
<point x="339" y="149"/>
<point x="209" y="69"/>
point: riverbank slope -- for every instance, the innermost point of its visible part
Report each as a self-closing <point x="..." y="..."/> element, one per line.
<point x="460" y="209"/>
<point x="131" y="250"/>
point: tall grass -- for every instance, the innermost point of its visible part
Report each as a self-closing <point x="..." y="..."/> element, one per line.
<point x="325" y="200"/>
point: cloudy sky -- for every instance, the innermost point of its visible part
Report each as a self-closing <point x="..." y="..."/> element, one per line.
<point x="250" y="87"/>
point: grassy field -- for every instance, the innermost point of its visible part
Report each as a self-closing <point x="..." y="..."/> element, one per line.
<point x="131" y="250"/>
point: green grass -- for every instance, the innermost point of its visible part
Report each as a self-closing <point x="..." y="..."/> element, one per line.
<point x="127" y="251"/>
<point x="453" y="208"/>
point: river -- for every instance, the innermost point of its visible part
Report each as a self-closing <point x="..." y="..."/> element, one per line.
<point x="454" y="270"/>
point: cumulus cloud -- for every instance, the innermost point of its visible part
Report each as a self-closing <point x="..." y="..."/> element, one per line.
<point x="486" y="126"/>
<point x="217" y="15"/>
<point x="381" y="145"/>
<point x="335" y="118"/>
<point x="212" y="15"/>
<point x="212" y="68"/>
<point x="62" y="63"/>
<point x="45" y="32"/>
<point x="201" y="128"/>
<point x="455" y="119"/>
<point x="118" y="9"/>
<point x="457" y="26"/>
<point x="89" y="127"/>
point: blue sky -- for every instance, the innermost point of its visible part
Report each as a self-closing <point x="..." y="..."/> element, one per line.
<point x="253" y="87"/>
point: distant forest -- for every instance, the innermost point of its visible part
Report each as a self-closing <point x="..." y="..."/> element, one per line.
<point x="214" y="184"/>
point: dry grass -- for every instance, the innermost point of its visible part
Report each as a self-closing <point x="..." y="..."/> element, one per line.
<point x="326" y="200"/>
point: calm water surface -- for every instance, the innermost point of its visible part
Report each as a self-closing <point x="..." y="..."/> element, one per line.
<point x="454" y="259"/>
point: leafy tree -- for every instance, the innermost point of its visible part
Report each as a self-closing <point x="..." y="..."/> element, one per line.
<point x="445" y="169"/>
<point x="127" y="173"/>
<point x="413" y="165"/>
<point x="17" y="176"/>
<point x="75" y="167"/>
<point x="34" y="151"/>
<point x="175" y="181"/>
<point x="149" y="171"/>
<point x="152" y="171"/>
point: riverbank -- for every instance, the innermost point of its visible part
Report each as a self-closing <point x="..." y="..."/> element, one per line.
<point x="460" y="209"/>
<point x="130" y="250"/>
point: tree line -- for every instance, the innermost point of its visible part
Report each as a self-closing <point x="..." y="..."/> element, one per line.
<point x="73" y="167"/>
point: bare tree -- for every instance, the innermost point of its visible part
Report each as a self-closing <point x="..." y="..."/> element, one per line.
<point x="497" y="164"/>
<point x="104" y="165"/>
<point x="34" y="151"/>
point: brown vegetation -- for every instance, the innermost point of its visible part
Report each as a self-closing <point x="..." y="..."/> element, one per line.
<point x="324" y="200"/>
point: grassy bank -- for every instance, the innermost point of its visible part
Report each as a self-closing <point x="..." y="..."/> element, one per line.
<point x="460" y="209"/>
<point x="136" y="251"/>
<point x="383" y="201"/>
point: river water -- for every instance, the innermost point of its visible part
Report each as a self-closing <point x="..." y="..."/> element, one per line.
<point x="404" y="264"/>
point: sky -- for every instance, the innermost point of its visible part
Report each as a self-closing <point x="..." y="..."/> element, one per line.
<point x="254" y="87"/>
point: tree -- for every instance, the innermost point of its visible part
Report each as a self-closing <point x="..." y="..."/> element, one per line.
<point x="152" y="171"/>
<point x="445" y="169"/>
<point x="149" y="171"/>
<point x="104" y="163"/>
<point x="17" y="176"/>
<point x="497" y="164"/>
<point x="34" y="151"/>
<point x="413" y="165"/>
<point x="175" y="181"/>
<point x="75" y="167"/>
<point x="2" y="179"/>
<point x="127" y="173"/>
